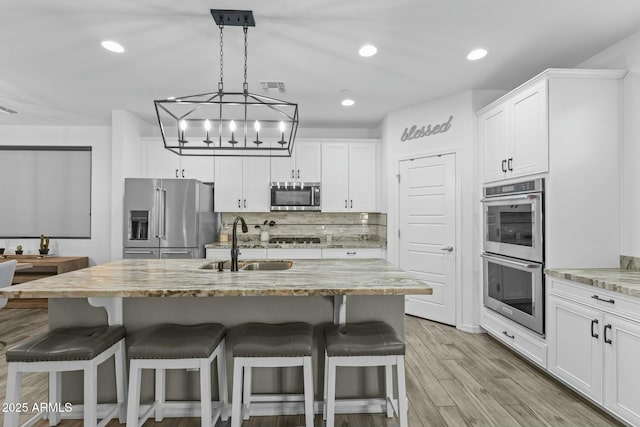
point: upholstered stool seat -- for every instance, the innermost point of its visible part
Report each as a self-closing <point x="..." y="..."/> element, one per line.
<point x="365" y="344"/>
<point x="69" y="349"/>
<point x="171" y="346"/>
<point x="270" y="345"/>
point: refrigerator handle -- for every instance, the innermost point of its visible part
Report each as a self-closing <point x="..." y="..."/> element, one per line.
<point x="164" y="214"/>
<point x="156" y="213"/>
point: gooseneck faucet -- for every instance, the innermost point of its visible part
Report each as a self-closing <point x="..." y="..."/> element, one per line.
<point x="234" y="242"/>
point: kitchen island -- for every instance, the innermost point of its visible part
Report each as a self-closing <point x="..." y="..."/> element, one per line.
<point x="140" y="293"/>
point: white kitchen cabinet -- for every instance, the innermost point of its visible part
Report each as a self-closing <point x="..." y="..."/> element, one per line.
<point x="349" y="177"/>
<point x="514" y="134"/>
<point x="302" y="166"/>
<point x="245" y="253"/>
<point x="594" y="343"/>
<point x="162" y="163"/>
<point x="340" y="253"/>
<point x="242" y="184"/>
<point x="294" y="253"/>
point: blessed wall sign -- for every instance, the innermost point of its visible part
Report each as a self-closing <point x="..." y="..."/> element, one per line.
<point x="414" y="132"/>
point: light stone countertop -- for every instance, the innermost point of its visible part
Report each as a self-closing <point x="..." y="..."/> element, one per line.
<point x="254" y="244"/>
<point x="185" y="277"/>
<point x="613" y="279"/>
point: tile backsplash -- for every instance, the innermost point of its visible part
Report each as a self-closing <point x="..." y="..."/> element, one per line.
<point x="629" y="263"/>
<point x="340" y="226"/>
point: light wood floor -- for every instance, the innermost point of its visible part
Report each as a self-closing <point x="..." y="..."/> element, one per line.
<point x="453" y="379"/>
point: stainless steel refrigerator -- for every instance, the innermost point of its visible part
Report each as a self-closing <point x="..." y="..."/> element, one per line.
<point x="168" y="218"/>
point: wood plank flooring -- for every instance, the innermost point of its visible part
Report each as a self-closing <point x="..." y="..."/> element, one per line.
<point x="453" y="379"/>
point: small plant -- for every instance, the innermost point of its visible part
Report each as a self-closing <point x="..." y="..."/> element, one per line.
<point x="19" y="250"/>
<point x="44" y="244"/>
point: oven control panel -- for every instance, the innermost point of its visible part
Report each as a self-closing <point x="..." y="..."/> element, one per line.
<point x="518" y="187"/>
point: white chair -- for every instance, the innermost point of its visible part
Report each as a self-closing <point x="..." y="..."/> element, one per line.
<point x="365" y="344"/>
<point x="7" y="269"/>
<point x="263" y="345"/>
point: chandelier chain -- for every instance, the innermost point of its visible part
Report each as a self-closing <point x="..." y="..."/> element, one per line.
<point x="245" y="28"/>
<point x="221" y="52"/>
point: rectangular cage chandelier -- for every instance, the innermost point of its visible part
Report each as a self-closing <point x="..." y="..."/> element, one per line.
<point x="228" y="123"/>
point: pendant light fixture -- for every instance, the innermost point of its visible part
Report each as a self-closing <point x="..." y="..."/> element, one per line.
<point x="225" y="123"/>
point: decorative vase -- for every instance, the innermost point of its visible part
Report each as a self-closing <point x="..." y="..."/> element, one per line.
<point x="18" y="252"/>
<point x="264" y="236"/>
<point x="44" y="251"/>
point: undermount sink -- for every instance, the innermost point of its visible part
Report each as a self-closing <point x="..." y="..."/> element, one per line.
<point x="251" y="265"/>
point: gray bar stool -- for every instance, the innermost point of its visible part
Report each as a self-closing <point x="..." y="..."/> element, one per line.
<point x="365" y="344"/>
<point x="268" y="346"/>
<point x="69" y="349"/>
<point x="170" y="346"/>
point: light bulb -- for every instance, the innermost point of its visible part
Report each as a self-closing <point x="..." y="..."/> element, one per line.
<point x="232" y="126"/>
<point x="183" y="125"/>
<point x="282" y="127"/>
<point x="207" y="125"/>
<point x="256" y="126"/>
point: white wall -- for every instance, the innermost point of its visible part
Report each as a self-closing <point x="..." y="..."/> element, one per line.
<point x="459" y="139"/>
<point x="98" y="247"/>
<point x="626" y="55"/>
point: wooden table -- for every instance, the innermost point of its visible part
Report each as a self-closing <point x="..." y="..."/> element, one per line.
<point x="23" y="266"/>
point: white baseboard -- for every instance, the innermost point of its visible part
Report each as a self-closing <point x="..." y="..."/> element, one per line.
<point x="471" y="329"/>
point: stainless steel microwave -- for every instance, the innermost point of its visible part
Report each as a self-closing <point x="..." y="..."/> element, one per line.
<point x="295" y="196"/>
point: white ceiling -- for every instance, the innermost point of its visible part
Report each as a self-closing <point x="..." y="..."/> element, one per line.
<point x="53" y="70"/>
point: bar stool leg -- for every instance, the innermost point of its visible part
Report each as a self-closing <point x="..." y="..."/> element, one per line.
<point x="331" y="394"/>
<point x="134" y="394"/>
<point x="389" y="386"/>
<point x="403" y="404"/>
<point x="324" y="396"/>
<point x="121" y="381"/>
<point x="246" y="394"/>
<point x="90" y="394"/>
<point x="205" y="393"/>
<point x="160" y="391"/>
<point x="308" y="391"/>
<point x="236" y="401"/>
<point x="55" y="381"/>
<point x="14" y="381"/>
<point x="223" y="393"/>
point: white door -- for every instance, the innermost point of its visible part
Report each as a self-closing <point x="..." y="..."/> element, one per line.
<point x="161" y="163"/>
<point x="493" y="134"/>
<point x="427" y="234"/>
<point x="335" y="177"/>
<point x="308" y="162"/>
<point x="256" y="184"/>
<point x="228" y="192"/>
<point x="362" y="177"/>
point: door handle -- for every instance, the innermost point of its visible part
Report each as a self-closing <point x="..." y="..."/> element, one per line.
<point x="293" y="174"/>
<point x="239" y="205"/>
<point x="345" y="204"/>
<point x="504" y="165"/>
<point x="351" y="203"/>
<point x="245" y="203"/>
<point x="510" y="164"/>
<point x="509" y="336"/>
<point x="156" y="208"/>
<point x="607" y="340"/>
<point x="138" y="252"/>
<point x="183" y="173"/>
<point x="177" y="173"/>
<point x="610" y="301"/>
<point x="351" y="253"/>
<point x="447" y="248"/>
<point x="594" y="322"/>
<point x="298" y="173"/>
<point x="164" y="213"/>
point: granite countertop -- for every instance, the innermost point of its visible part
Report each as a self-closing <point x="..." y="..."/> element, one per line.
<point x="254" y="244"/>
<point x="185" y="277"/>
<point x="613" y="279"/>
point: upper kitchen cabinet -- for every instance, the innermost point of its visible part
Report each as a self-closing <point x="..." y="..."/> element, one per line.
<point x="514" y="134"/>
<point x="242" y="184"/>
<point x="349" y="177"/>
<point x="162" y="163"/>
<point x="302" y="166"/>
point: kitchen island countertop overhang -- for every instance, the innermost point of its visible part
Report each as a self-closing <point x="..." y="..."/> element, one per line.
<point x="186" y="278"/>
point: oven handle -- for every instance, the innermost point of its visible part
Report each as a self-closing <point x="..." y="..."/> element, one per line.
<point x="508" y="261"/>
<point x="516" y="197"/>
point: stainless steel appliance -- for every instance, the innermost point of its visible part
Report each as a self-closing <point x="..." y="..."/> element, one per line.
<point x="515" y="289"/>
<point x="168" y="218"/>
<point x="513" y="258"/>
<point x="513" y="216"/>
<point x="295" y="196"/>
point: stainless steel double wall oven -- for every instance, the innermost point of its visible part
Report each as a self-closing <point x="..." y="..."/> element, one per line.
<point x="513" y="257"/>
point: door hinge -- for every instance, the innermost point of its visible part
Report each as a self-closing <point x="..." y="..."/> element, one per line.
<point x="398" y="176"/>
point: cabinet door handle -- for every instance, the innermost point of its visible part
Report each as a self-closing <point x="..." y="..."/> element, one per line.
<point x="298" y="173"/>
<point x="610" y="301"/>
<point x="245" y="203"/>
<point x="293" y="175"/>
<point x="351" y="253"/>
<point x="594" y="322"/>
<point x="509" y="336"/>
<point x="239" y="205"/>
<point x="607" y="340"/>
<point x="183" y="173"/>
<point x="504" y="165"/>
<point x="510" y="164"/>
<point x="351" y="203"/>
<point x="345" y="204"/>
<point x="177" y="173"/>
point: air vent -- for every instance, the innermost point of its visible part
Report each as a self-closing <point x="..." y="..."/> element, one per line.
<point x="7" y="110"/>
<point x="273" y="85"/>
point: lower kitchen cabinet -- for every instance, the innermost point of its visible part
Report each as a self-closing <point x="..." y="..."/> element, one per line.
<point x="335" y="253"/>
<point x="244" y="253"/>
<point x="294" y="253"/>
<point x="594" y="344"/>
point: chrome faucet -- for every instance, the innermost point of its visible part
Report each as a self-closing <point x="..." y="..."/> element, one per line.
<point x="234" y="242"/>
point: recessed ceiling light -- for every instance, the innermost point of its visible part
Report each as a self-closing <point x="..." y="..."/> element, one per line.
<point x="112" y="46"/>
<point x="476" y="54"/>
<point x="368" y="50"/>
<point x="347" y="102"/>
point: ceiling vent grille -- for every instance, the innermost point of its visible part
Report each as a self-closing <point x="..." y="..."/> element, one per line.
<point x="7" y="110"/>
<point x="273" y="85"/>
